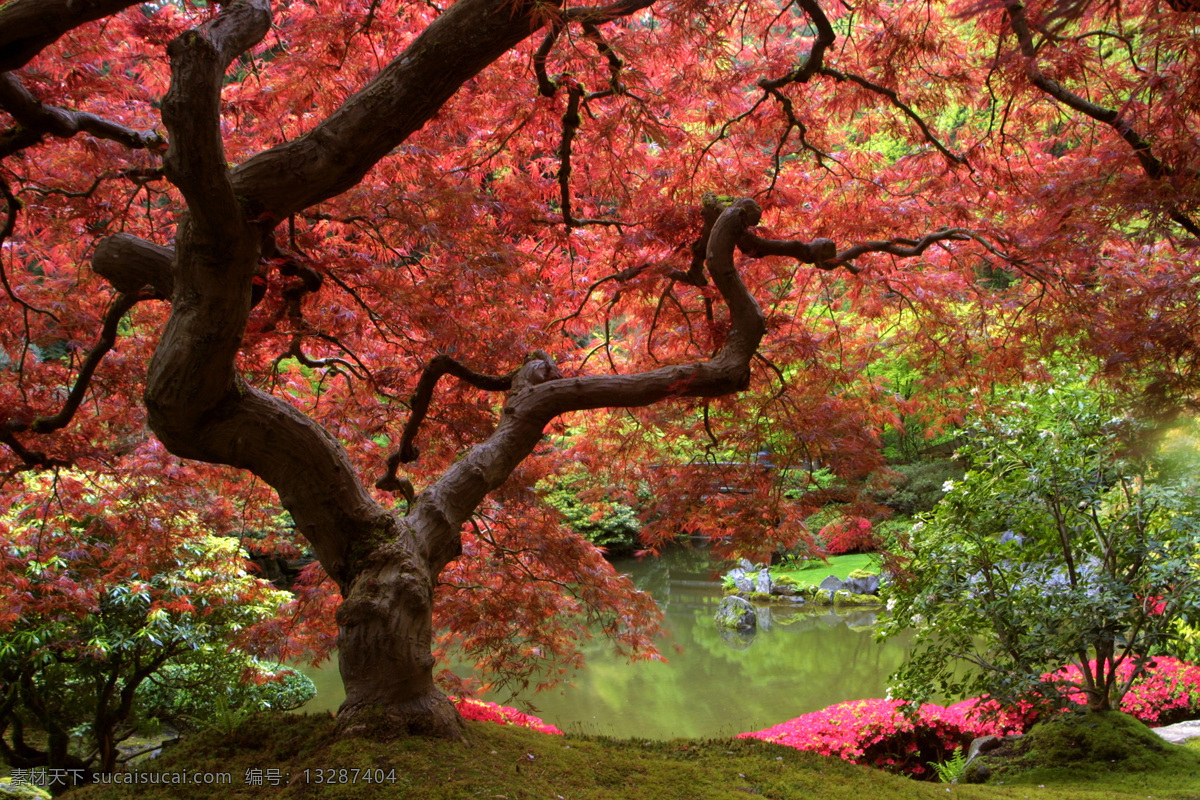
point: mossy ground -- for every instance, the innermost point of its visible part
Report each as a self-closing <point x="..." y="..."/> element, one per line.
<point x="512" y="763"/>
<point x="1106" y="748"/>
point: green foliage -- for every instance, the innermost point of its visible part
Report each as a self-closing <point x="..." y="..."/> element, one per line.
<point x="1185" y="644"/>
<point x="917" y="487"/>
<point x="605" y="524"/>
<point x="104" y="613"/>
<point x="950" y="770"/>
<point x="198" y="692"/>
<point x="1067" y="541"/>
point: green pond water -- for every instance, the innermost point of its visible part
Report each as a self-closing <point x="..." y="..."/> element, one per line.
<point x="713" y="683"/>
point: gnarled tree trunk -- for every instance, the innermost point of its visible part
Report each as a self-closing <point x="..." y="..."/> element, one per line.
<point x="384" y="565"/>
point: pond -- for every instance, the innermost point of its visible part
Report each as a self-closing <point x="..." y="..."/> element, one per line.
<point x="713" y="683"/>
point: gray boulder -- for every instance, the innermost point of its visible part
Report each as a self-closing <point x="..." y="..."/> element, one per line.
<point x="832" y="584"/>
<point x="867" y="585"/>
<point x="762" y="583"/>
<point x="741" y="581"/>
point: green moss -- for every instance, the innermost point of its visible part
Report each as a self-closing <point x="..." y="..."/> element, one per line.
<point x="515" y="763"/>
<point x="1088" y="747"/>
<point x="851" y="599"/>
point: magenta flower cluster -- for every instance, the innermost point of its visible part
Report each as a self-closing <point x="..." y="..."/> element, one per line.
<point x="1169" y="693"/>
<point x="879" y="733"/>
<point x="502" y="715"/>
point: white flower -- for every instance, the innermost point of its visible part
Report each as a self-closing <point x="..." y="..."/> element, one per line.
<point x="948" y="486"/>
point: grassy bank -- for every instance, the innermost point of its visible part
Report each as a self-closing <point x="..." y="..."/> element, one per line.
<point x="811" y="573"/>
<point x="512" y="763"/>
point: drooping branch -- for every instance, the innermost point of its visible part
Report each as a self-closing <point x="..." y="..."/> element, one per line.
<point x="28" y="26"/>
<point x="108" y="337"/>
<point x="570" y="126"/>
<point x="895" y="100"/>
<point x="37" y="120"/>
<point x="12" y="206"/>
<point x="1141" y="147"/>
<point x="615" y="64"/>
<point x="547" y="87"/>
<point x="710" y="210"/>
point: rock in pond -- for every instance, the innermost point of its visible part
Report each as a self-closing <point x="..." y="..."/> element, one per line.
<point x="737" y="614"/>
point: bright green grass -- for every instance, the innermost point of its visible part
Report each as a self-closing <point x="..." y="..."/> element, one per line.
<point x="813" y="572"/>
<point x="517" y="764"/>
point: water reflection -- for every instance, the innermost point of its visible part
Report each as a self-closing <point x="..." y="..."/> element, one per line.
<point x="714" y="682"/>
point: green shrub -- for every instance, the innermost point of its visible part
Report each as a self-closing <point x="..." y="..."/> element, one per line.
<point x="918" y="486"/>
<point x="1068" y="541"/>
<point x="189" y="694"/>
<point x="106" y="604"/>
<point x="605" y="524"/>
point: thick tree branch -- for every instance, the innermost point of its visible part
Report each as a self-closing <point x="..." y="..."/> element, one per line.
<point x="191" y="110"/>
<point x="815" y="252"/>
<point x="597" y="15"/>
<point x="28" y="26"/>
<point x="339" y="151"/>
<point x="37" y="120"/>
<point x="129" y="263"/>
<point x="442" y="508"/>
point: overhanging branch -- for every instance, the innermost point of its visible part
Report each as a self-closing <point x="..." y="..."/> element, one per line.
<point x="37" y="120"/>
<point x="1141" y="147"/>
<point x="28" y="26"/>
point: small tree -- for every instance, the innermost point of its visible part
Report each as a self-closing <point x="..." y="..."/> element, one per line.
<point x="1067" y="541"/>
<point x="104" y="601"/>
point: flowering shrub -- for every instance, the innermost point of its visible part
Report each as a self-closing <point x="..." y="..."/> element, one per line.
<point x="502" y="715"/>
<point x="849" y="535"/>
<point x="877" y="733"/>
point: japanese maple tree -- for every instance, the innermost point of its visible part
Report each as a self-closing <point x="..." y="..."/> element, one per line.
<point x="264" y="232"/>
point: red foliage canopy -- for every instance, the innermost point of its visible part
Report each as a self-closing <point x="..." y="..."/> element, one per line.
<point x="329" y="196"/>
